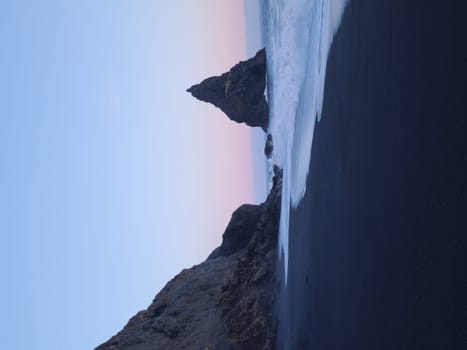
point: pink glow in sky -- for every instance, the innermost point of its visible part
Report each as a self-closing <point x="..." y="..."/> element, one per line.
<point x="117" y="177"/>
<point x="219" y="37"/>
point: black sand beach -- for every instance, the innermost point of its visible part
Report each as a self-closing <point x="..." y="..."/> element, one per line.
<point x="378" y="245"/>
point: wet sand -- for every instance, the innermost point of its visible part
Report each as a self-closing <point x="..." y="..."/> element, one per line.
<point x="378" y="245"/>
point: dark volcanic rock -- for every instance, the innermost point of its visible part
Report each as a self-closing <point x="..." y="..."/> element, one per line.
<point x="226" y="302"/>
<point x="240" y="229"/>
<point x="268" y="147"/>
<point x="239" y="93"/>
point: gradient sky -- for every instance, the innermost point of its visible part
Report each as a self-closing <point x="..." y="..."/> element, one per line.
<point x="113" y="177"/>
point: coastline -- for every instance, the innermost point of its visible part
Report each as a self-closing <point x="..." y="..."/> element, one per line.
<point x="225" y="302"/>
<point x="377" y="246"/>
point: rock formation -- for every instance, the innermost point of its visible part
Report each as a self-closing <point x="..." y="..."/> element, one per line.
<point x="226" y="302"/>
<point x="268" y="147"/>
<point x="239" y="93"/>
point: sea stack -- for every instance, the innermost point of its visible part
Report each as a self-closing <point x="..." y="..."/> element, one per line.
<point x="239" y="93"/>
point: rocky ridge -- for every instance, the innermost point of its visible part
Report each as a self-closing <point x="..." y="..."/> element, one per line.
<point x="226" y="302"/>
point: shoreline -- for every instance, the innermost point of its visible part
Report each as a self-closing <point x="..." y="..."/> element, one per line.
<point x="377" y="246"/>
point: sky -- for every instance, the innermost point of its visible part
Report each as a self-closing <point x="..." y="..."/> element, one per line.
<point x="113" y="178"/>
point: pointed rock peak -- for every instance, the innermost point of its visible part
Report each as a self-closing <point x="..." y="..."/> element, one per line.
<point x="239" y="93"/>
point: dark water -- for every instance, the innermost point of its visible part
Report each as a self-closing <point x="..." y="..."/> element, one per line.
<point x="377" y="255"/>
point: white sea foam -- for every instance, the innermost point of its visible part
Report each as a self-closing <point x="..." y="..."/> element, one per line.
<point x="298" y="36"/>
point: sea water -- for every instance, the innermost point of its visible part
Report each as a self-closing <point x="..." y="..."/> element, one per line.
<point x="297" y="35"/>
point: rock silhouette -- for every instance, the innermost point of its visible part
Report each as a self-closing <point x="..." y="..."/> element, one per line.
<point x="226" y="302"/>
<point x="239" y="93"/>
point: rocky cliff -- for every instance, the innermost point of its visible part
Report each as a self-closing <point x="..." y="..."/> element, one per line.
<point x="239" y="93"/>
<point x="227" y="301"/>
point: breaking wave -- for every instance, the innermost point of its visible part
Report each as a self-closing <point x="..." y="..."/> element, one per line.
<point x="298" y="36"/>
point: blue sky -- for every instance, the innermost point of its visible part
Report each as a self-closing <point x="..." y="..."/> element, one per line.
<point x="113" y="178"/>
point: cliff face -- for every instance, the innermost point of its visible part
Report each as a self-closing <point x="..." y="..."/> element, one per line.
<point x="227" y="301"/>
<point x="239" y="93"/>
